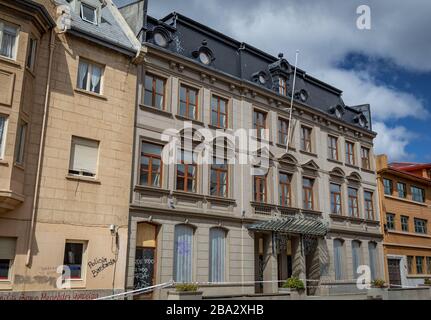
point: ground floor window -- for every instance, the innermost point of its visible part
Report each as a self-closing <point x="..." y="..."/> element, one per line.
<point x="356" y="257"/>
<point x="372" y="251"/>
<point x="73" y="256"/>
<point x="338" y="259"/>
<point x="183" y="253"/>
<point x="217" y="255"/>
<point x="7" y="256"/>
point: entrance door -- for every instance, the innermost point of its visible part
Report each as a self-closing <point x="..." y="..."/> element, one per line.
<point x="394" y="272"/>
<point x="145" y="257"/>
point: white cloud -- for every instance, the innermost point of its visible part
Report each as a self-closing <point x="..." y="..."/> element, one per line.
<point x="393" y="141"/>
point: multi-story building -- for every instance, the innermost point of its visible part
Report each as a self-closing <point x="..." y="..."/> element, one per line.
<point x="310" y="212"/>
<point x="405" y="197"/>
<point x="67" y="104"/>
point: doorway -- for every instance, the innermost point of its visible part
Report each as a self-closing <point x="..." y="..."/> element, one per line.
<point x="394" y="273"/>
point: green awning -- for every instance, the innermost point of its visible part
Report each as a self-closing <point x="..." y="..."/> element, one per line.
<point x="296" y="225"/>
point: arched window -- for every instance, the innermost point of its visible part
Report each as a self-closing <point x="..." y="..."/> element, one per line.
<point x="217" y="249"/>
<point x="338" y="259"/>
<point x="372" y="252"/>
<point x="356" y="257"/>
<point x="183" y="253"/>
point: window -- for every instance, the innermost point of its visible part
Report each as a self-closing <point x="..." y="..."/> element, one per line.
<point x="419" y="265"/>
<point x="73" y="254"/>
<point x="428" y="265"/>
<point x="188" y="102"/>
<point x="283" y="129"/>
<point x="338" y="259"/>
<point x="88" y="13"/>
<point x="365" y="157"/>
<point x="260" y="188"/>
<point x="31" y="54"/>
<point x="20" y="146"/>
<point x="402" y="190"/>
<point x="2" y="135"/>
<point x="186" y="171"/>
<point x="369" y="207"/>
<point x="387" y="184"/>
<point x="218" y="112"/>
<point x="284" y="189"/>
<point x="390" y="221"/>
<point x="89" y="76"/>
<point x="335" y="198"/>
<point x="356" y="257"/>
<point x="306" y="139"/>
<point x="410" y="264"/>
<point x="7" y="256"/>
<point x="183" y="253"/>
<point x="418" y="194"/>
<point x="8" y="40"/>
<point x="259" y="123"/>
<point x="420" y="226"/>
<point x="154" y="93"/>
<point x="307" y="193"/>
<point x="372" y="253"/>
<point x="353" y="202"/>
<point x="219" y="178"/>
<point x="282" y="86"/>
<point x="350" y="153"/>
<point x="151" y="165"/>
<point x="217" y="255"/>
<point x="405" y="223"/>
<point x="83" y="157"/>
<point x="333" y="148"/>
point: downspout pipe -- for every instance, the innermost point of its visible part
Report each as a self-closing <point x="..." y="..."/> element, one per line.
<point x="41" y="148"/>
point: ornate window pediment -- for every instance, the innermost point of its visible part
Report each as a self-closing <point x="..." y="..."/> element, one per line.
<point x="354" y="177"/>
<point x="361" y="120"/>
<point x="160" y="36"/>
<point x="204" y="54"/>
<point x="337" y="110"/>
<point x="288" y="163"/>
<point x="310" y="169"/>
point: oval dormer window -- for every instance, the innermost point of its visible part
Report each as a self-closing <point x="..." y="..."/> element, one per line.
<point x="160" y="39"/>
<point x="204" y="58"/>
<point x="361" y="121"/>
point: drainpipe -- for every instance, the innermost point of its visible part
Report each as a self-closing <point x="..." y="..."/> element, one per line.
<point x="41" y="147"/>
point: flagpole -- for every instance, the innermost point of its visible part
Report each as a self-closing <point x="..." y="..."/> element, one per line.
<point x="291" y="101"/>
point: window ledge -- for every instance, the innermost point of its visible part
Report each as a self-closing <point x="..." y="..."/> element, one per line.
<point x="155" y="110"/>
<point x="83" y="179"/>
<point x="411" y="234"/>
<point x="141" y="188"/>
<point x="335" y="161"/>
<point x="354" y="219"/>
<point x="308" y="153"/>
<point x="220" y="199"/>
<point x="281" y="145"/>
<point x="406" y="200"/>
<point x="351" y="166"/>
<point x="10" y="61"/>
<point x="31" y="72"/>
<point x="368" y="171"/>
<point x="190" y="195"/>
<point x="415" y="276"/>
<point x="211" y="126"/>
<point x="4" y="163"/>
<point x="19" y="166"/>
<point x="91" y="94"/>
<point x="194" y="121"/>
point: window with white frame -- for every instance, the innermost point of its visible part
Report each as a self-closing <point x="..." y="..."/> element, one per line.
<point x="83" y="157"/>
<point x="217" y="255"/>
<point x="420" y="226"/>
<point x="88" y="13"/>
<point x="31" y="53"/>
<point x="3" y="121"/>
<point x="73" y="259"/>
<point x="183" y="253"/>
<point x="21" y="141"/>
<point x="8" y="40"/>
<point x="90" y="76"/>
<point x="7" y="256"/>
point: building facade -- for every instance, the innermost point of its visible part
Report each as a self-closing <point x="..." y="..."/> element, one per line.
<point x="68" y="85"/>
<point x="254" y="215"/>
<point x="405" y="190"/>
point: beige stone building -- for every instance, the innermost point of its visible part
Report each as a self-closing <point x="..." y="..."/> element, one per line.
<point x="314" y="211"/>
<point x="67" y="104"/>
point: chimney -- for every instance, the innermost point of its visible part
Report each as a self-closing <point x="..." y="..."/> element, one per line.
<point x="381" y="161"/>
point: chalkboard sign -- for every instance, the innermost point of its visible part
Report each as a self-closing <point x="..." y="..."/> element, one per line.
<point x="144" y="267"/>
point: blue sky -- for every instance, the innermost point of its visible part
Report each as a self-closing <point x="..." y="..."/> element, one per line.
<point x="388" y="66"/>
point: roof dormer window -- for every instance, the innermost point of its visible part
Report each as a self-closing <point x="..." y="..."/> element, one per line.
<point x="88" y="13"/>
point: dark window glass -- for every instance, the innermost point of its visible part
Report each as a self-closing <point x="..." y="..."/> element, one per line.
<point x="405" y="223"/>
<point x="390" y="221"/>
<point x="154" y="93"/>
<point x="4" y="269"/>
<point x="418" y="194"/>
<point x="335" y="198"/>
<point x="420" y="226"/>
<point x="151" y="165"/>
<point x="388" y="186"/>
<point x="402" y="190"/>
<point x="73" y="259"/>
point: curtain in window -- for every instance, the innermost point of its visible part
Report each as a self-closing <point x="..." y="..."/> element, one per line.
<point x="356" y="257"/>
<point x="82" y="75"/>
<point x="372" y="248"/>
<point x="7" y="40"/>
<point x="183" y="253"/>
<point x="217" y="254"/>
<point x="95" y="79"/>
<point x="338" y="259"/>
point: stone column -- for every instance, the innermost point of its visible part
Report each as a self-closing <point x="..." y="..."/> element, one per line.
<point x="298" y="258"/>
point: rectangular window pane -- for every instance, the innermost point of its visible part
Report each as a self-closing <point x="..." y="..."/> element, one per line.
<point x="88" y="13"/>
<point x="390" y="221"/>
<point x="183" y="254"/>
<point x="418" y="194"/>
<point x="387" y="186"/>
<point x="2" y="135"/>
<point x="401" y="190"/>
<point x="73" y="259"/>
<point x="405" y="223"/>
<point x="31" y="54"/>
<point x="22" y="137"/>
<point x="8" y="39"/>
<point x="419" y="265"/>
<point x="410" y="264"/>
<point x="217" y="255"/>
<point x="83" y="157"/>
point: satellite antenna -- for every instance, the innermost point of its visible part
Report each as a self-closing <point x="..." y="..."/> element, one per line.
<point x="291" y="102"/>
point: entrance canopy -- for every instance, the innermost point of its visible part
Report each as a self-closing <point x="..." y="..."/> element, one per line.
<point x="296" y="225"/>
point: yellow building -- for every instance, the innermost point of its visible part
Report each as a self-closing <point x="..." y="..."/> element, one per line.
<point x="405" y="195"/>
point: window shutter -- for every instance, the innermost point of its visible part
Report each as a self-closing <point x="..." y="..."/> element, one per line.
<point x="7" y="248"/>
<point x="217" y="254"/>
<point x="84" y="155"/>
